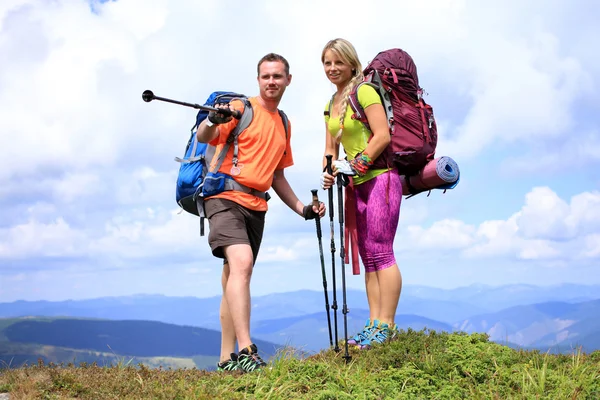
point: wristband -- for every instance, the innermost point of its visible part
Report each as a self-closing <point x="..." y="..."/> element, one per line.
<point x="361" y="163"/>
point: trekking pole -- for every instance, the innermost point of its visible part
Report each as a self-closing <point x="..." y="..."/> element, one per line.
<point x="148" y="96"/>
<point x="334" y="306"/>
<point x="315" y="198"/>
<point x="347" y="357"/>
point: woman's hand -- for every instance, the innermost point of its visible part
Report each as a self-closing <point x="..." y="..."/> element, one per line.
<point x="327" y="179"/>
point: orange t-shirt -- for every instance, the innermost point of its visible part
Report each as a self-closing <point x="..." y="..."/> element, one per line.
<point x="262" y="149"/>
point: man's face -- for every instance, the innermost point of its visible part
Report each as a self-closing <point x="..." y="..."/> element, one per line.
<point x="272" y="80"/>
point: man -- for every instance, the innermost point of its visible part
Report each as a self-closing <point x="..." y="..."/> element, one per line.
<point x="236" y="218"/>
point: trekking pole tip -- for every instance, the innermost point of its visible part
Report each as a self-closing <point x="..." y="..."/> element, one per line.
<point x="147" y="96"/>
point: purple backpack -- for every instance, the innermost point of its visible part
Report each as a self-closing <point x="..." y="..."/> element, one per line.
<point x="393" y="74"/>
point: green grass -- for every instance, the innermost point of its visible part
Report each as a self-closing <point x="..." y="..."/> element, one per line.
<point x="416" y="365"/>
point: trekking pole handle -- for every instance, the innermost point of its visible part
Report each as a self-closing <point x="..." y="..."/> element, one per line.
<point x="329" y="157"/>
<point x="148" y="96"/>
<point x="315" y="198"/>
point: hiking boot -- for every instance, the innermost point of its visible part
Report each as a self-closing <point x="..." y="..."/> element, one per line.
<point x="228" y="365"/>
<point x="364" y="334"/>
<point x="249" y="360"/>
<point x="381" y="334"/>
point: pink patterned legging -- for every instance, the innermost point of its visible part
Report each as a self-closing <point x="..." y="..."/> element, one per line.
<point x="377" y="212"/>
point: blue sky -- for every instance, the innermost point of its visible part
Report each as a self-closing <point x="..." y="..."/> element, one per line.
<point x="87" y="174"/>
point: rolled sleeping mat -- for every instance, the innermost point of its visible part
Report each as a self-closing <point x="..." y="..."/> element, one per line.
<point x="439" y="173"/>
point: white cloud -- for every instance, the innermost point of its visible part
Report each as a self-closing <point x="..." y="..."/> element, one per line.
<point x="547" y="216"/>
<point x="580" y="149"/>
<point x="546" y="228"/>
<point x="31" y="239"/>
<point x="445" y="234"/>
<point x="592" y="246"/>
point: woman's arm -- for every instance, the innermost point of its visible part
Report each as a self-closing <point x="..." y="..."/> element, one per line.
<point x="379" y="127"/>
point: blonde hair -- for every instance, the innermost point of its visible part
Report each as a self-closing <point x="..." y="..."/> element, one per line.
<point x="346" y="51"/>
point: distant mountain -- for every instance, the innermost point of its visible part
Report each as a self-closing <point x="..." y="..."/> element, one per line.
<point x="445" y="305"/>
<point x="120" y="338"/>
<point x="174" y="310"/>
<point x="495" y="298"/>
<point x="544" y="325"/>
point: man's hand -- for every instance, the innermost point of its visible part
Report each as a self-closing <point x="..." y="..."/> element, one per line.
<point x="311" y="212"/>
<point x="219" y="118"/>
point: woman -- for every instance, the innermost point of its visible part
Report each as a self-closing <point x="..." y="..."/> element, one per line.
<point x="378" y="192"/>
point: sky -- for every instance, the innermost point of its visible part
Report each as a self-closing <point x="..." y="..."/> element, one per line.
<point x="87" y="170"/>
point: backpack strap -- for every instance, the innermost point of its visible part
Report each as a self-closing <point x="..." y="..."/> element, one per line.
<point x="327" y="113"/>
<point x="242" y="124"/>
<point x="285" y="120"/>
<point x="375" y="82"/>
<point x="359" y="111"/>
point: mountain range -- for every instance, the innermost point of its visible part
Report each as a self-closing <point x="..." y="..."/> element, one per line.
<point x="557" y="318"/>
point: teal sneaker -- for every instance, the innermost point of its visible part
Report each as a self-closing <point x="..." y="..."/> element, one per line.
<point x="229" y="365"/>
<point x="249" y="360"/>
<point x="381" y="334"/>
<point x="364" y="334"/>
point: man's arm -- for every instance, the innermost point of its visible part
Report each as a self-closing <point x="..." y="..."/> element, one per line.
<point x="205" y="133"/>
<point x="207" y="130"/>
<point x="286" y="193"/>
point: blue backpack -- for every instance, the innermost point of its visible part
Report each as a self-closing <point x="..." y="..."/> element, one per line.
<point x="195" y="181"/>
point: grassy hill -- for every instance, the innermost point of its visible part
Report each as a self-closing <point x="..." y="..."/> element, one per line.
<point x="416" y="365"/>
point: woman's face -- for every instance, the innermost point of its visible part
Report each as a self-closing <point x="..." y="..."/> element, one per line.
<point x="338" y="72"/>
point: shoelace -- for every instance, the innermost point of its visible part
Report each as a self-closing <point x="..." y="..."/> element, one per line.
<point x="252" y="361"/>
<point x="380" y="335"/>
<point x="257" y="359"/>
<point x="359" y="337"/>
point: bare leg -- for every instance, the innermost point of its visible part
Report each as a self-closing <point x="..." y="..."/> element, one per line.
<point x="390" y="286"/>
<point x="237" y="290"/>
<point x="227" y="331"/>
<point x="373" y="295"/>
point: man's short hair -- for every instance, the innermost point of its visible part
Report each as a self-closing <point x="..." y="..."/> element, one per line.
<point x="274" y="57"/>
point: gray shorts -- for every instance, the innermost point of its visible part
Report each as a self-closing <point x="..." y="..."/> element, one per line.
<point x="231" y="223"/>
